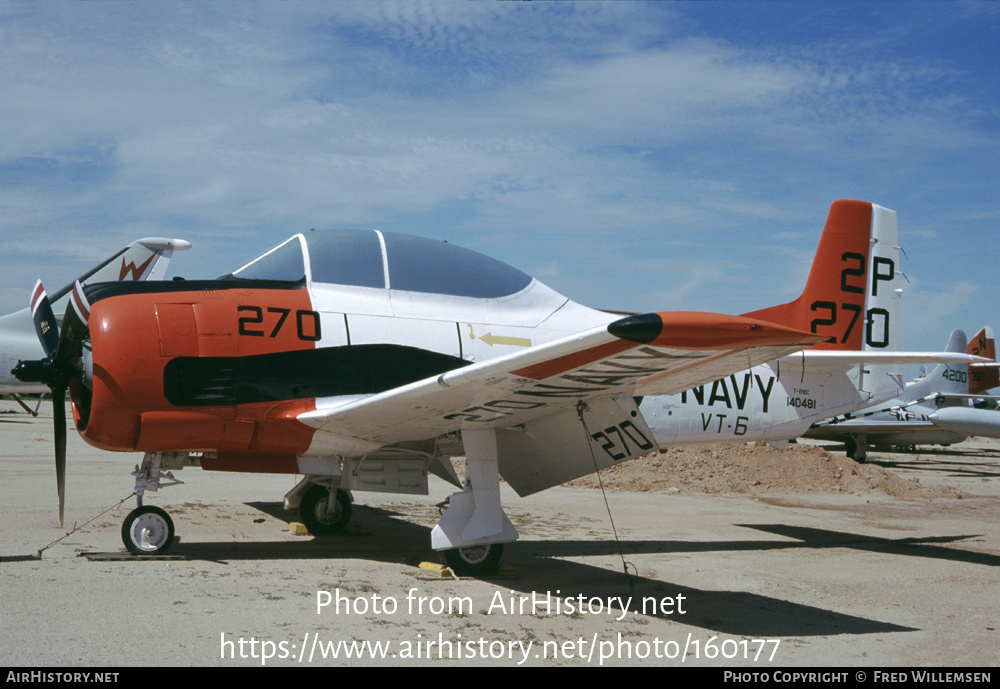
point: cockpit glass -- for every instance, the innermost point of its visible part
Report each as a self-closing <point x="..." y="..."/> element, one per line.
<point x="415" y="264"/>
<point x="346" y="257"/>
<point x="284" y="262"/>
<point x="418" y="264"/>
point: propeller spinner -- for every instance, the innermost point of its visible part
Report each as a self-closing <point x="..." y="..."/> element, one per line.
<point x="60" y="365"/>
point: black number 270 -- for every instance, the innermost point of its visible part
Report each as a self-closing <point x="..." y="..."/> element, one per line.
<point x="307" y="323"/>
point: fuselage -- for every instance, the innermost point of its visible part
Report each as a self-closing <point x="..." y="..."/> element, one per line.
<point x="228" y="365"/>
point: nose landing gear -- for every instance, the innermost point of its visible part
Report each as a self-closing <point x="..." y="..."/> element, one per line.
<point x="149" y="530"/>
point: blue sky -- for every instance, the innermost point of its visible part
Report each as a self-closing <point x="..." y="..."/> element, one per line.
<point x="637" y="156"/>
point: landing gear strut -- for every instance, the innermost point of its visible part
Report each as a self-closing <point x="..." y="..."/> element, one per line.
<point x="857" y="448"/>
<point x="473" y="529"/>
<point x="149" y="530"/>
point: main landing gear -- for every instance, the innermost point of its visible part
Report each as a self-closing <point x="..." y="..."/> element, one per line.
<point x="324" y="511"/>
<point x="473" y="528"/>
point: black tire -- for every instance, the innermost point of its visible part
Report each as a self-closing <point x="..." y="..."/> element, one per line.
<point x="315" y="514"/>
<point x="147" y="531"/>
<point x="476" y="560"/>
<point x="856" y="451"/>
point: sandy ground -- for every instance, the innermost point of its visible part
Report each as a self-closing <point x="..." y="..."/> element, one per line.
<point x="737" y="557"/>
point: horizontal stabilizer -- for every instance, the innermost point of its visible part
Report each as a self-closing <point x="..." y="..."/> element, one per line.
<point x="831" y="358"/>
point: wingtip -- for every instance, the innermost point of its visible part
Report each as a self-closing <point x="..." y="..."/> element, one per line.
<point x="164" y="244"/>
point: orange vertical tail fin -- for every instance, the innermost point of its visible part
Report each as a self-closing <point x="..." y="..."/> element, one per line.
<point x="852" y="295"/>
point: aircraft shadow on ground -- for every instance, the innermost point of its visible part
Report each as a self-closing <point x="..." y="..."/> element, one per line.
<point x="925" y="547"/>
<point x="951" y="462"/>
<point x="386" y="536"/>
<point x="946" y="466"/>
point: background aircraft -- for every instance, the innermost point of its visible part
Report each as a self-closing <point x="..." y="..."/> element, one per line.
<point x="144" y="259"/>
<point x="362" y="360"/>
<point x="936" y="409"/>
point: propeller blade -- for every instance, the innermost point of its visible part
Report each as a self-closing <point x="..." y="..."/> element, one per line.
<point x="59" y="426"/>
<point x="60" y="366"/>
<point x="74" y="332"/>
<point x="74" y="327"/>
<point x="44" y="319"/>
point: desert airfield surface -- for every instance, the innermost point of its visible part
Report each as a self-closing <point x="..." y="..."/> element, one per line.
<point x="754" y="559"/>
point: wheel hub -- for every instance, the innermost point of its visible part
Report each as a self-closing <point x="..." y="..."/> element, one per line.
<point x="149" y="532"/>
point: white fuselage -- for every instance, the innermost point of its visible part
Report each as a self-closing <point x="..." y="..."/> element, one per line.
<point x="18" y="342"/>
<point x="774" y="402"/>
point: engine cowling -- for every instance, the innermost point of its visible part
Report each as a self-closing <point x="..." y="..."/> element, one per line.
<point x="164" y="368"/>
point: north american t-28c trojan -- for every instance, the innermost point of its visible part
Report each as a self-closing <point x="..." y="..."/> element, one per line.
<point x="363" y="360"/>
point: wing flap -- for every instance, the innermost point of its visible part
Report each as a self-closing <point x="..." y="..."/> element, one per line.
<point x="572" y="442"/>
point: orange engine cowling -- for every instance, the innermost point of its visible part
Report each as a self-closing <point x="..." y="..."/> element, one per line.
<point x="168" y="366"/>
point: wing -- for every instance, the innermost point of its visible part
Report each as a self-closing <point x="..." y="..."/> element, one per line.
<point x="900" y="409"/>
<point x="657" y="353"/>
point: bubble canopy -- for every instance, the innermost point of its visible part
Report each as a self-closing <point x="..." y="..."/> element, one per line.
<point x="386" y="260"/>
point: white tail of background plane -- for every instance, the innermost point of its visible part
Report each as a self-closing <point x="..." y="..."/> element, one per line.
<point x="143" y="259"/>
<point x="943" y="378"/>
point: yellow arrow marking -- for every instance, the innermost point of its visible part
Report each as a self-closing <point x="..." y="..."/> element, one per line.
<point x="491" y="339"/>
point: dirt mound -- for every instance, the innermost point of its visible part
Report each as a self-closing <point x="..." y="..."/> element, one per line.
<point x="756" y="469"/>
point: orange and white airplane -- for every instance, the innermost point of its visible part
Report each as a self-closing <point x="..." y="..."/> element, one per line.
<point x="363" y="360"/>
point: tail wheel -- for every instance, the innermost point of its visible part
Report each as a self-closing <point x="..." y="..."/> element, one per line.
<point x="147" y="531"/>
<point x="316" y="514"/>
<point x="475" y="560"/>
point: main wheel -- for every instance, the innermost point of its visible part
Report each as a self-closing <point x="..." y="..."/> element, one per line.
<point x="147" y="531"/>
<point x="316" y="514"/>
<point x="475" y="560"/>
